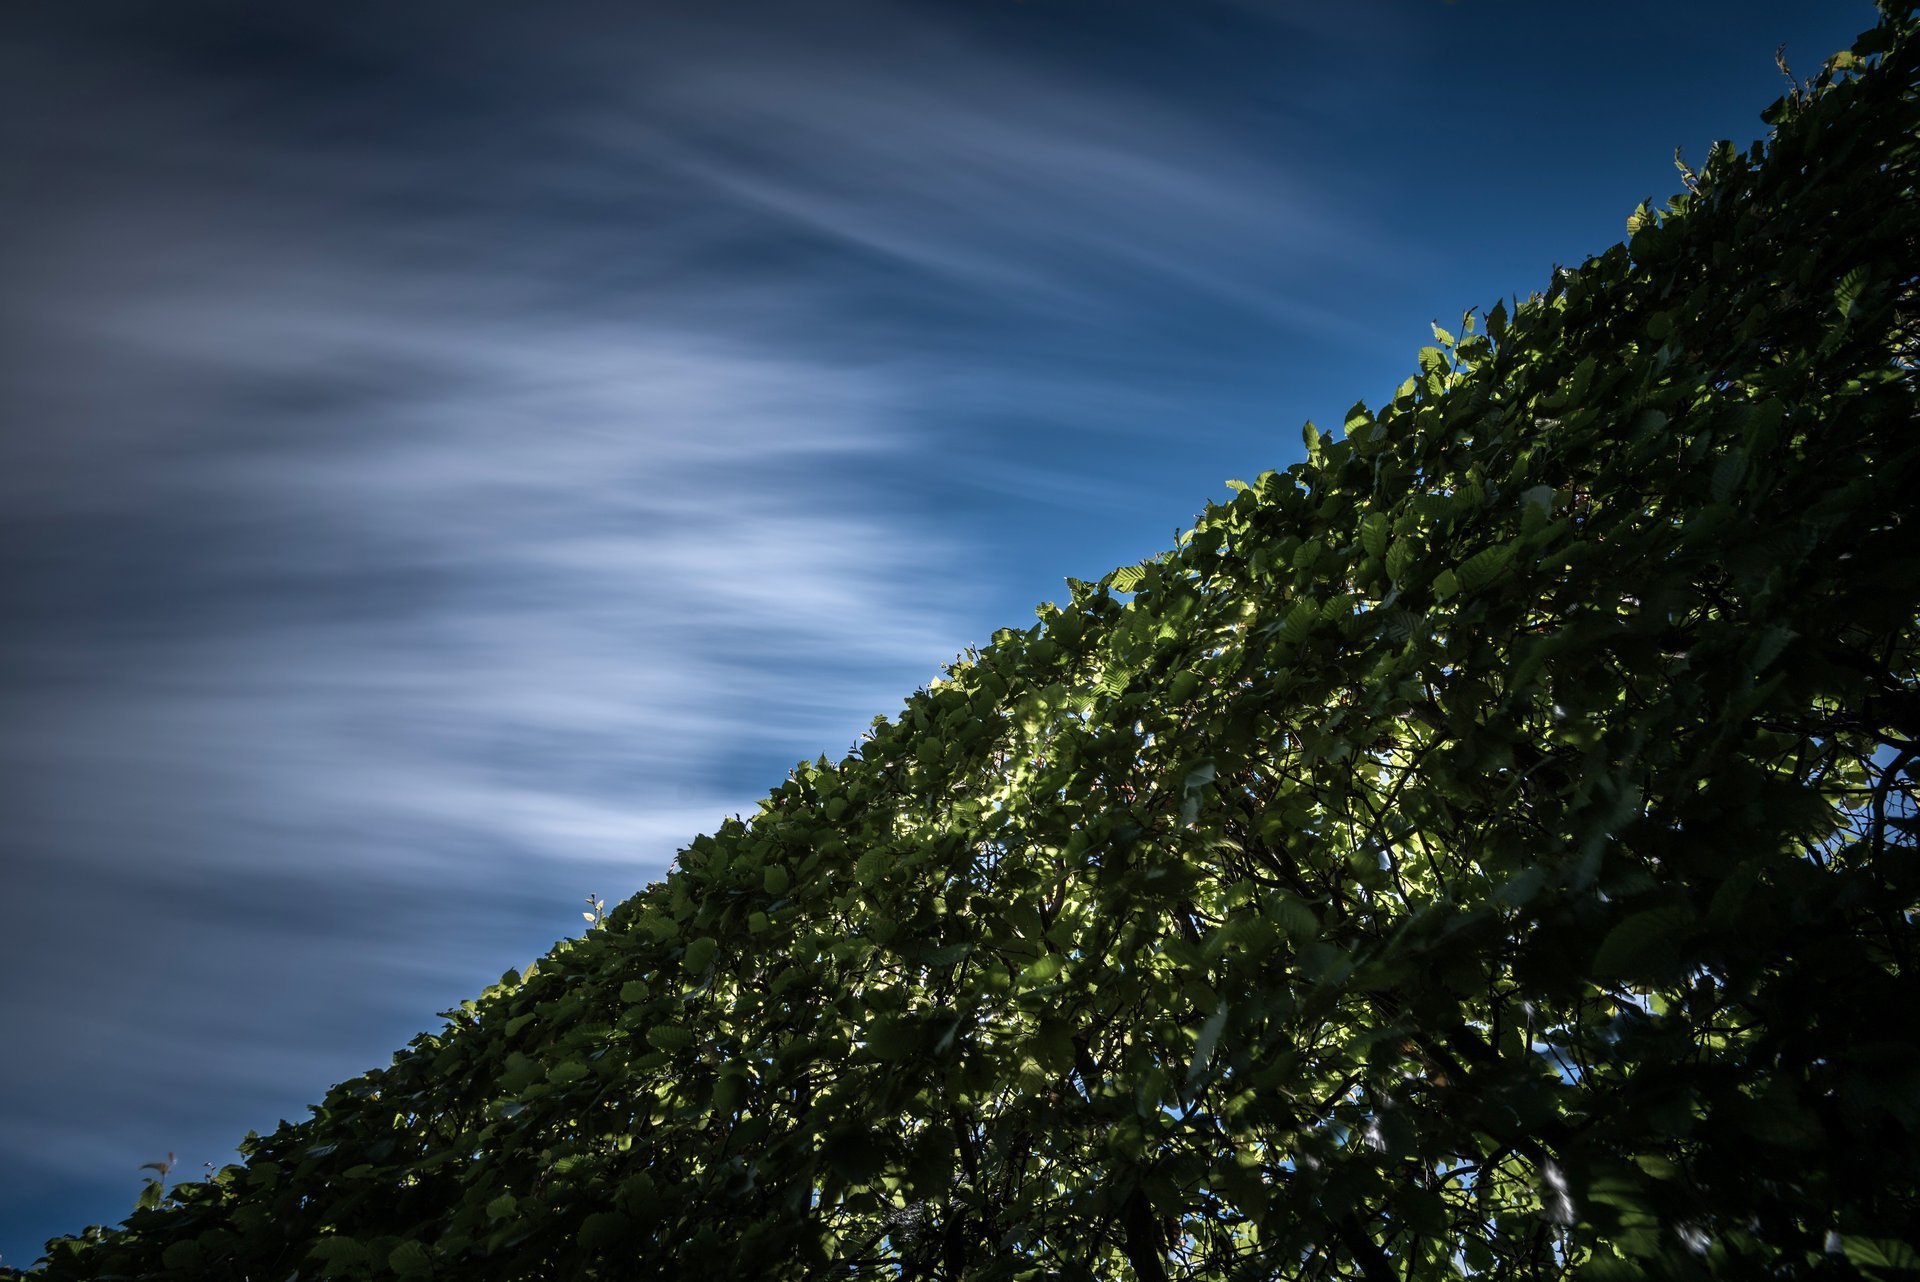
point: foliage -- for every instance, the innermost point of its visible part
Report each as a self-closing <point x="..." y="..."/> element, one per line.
<point x="1486" y="847"/>
<point x="153" y="1189"/>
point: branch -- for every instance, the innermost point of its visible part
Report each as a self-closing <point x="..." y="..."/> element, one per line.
<point x="1366" y="1252"/>
<point x="1142" y="1244"/>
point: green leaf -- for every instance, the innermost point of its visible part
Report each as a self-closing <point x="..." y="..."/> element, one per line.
<point x="1846" y="294"/>
<point x="1647" y="944"/>
<point x="1521" y="889"/>
<point x="669" y="1037"/>
<point x="410" y="1260"/>
<point x="1727" y="474"/>
<point x="182" y="1255"/>
<point x="1481" y="568"/>
<point x="1604" y="1266"/>
<point x="1399" y="558"/>
<point x="775" y="883"/>
<point x="663" y="928"/>
<point x="603" y="1229"/>
<point x="700" y="955"/>
<point x="1204" y="1046"/>
<point x="1299" y="622"/>
<point x="568" y="1072"/>
<point x="1042" y="971"/>
<point x="729" y="1093"/>
<point x="1299" y="921"/>
<point x="894" y="1037"/>
<point x="1052" y="1047"/>
<point x="1768" y="646"/>
<point x="1373" y="533"/>
<point x="948" y="955"/>
<point x="853" y="1155"/>
<point x="1882" y="1257"/>
<point x="338" y="1251"/>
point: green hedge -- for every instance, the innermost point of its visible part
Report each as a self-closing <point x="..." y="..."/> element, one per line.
<point x="1487" y="846"/>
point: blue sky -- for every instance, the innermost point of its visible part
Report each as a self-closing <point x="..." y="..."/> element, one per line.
<point x="452" y="454"/>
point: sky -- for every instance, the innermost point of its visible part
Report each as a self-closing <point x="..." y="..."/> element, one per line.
<point x="453" y="453"/>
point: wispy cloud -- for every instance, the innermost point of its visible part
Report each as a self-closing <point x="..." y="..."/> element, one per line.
<point x="1036" y="191"/>
<point x="628" y="540"/>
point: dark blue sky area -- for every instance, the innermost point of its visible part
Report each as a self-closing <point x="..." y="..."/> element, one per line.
<point x="453" y="453"/>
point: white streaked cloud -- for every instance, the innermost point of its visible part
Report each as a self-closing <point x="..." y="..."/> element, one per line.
<point x="636" y="551"/>
<point x="1039" y="192"/>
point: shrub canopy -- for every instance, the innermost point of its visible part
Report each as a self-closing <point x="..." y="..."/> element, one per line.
<point x="1486" y="847"/>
